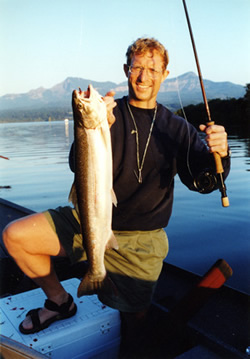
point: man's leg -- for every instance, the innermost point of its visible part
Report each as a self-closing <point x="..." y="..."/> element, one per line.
<point x="133" y="327"/>
<point x="31" y="242"/>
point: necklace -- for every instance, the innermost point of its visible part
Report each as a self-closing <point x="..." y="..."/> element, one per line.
<point x="140" y="165"/>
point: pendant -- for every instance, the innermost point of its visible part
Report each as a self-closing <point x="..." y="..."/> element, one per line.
<point x="139" y="177"/>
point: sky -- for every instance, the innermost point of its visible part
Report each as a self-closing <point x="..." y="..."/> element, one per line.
<point x="45" y="41"/>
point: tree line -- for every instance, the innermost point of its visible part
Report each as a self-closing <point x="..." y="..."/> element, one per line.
<point x="233" y="114"/>
<point x="36" y="115"/>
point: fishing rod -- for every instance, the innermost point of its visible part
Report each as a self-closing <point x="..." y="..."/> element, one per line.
<point x="217" y="158"/>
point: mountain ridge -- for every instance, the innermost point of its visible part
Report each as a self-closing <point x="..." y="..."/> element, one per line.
<point x="186" y="86"/>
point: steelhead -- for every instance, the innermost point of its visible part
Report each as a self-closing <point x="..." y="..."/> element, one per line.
<point x="92" y="190"/>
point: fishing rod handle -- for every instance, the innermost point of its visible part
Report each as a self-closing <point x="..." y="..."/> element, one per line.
<point x="217" y="157"/>
<point x="219" y="171"/>
<point x="225" y="201"/>
<point x="218" y="163"/>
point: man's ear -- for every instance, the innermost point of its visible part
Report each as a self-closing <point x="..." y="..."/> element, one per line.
<point x="165" y="75"/>
<point x="126" y="69"/>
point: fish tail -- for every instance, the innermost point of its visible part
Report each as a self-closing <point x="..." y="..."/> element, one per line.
<point x="89" y="286"/>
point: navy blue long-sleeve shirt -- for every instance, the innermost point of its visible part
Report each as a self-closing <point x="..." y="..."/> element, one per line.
<point x="175" y="147"/>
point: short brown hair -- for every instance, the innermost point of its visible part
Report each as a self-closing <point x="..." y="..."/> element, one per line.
<point x="143" y="45"/>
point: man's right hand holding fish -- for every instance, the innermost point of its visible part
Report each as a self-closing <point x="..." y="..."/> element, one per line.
<point x="110" y="103"/>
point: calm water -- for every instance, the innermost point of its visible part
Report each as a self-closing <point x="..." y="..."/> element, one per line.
<point x="200" y="231"/>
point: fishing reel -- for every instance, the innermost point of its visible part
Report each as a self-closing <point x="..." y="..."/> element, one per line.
<point x="206" y="181"/>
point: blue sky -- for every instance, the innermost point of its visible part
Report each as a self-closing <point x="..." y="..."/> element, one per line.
<point x="44" y="41"/>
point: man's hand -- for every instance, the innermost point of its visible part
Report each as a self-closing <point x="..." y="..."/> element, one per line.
<point x="110" y="103"/>
<point x="216" y="138"/>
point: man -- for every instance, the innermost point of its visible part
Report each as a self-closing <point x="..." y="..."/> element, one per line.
<point x="150" y="146"/>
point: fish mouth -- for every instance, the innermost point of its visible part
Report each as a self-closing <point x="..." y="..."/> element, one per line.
<point x="86" y="94"/>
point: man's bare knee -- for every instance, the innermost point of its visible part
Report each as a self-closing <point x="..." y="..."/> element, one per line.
<point x="32" y="235"/>
<point x="10" y="237"/>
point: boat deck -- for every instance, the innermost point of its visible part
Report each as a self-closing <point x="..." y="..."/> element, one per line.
<point x="219" y="329"/>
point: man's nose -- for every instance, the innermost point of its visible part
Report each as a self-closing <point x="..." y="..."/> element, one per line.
<point x="143" y="75"/>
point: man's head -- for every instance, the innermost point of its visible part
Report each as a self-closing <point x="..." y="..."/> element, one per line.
<point x="143" y="45"/>
<point x="147" y="60"/>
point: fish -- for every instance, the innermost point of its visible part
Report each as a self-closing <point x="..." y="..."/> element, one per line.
<point x="92" y="191"/>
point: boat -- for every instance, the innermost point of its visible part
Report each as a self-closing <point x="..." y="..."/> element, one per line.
<point x="185" y="320"/>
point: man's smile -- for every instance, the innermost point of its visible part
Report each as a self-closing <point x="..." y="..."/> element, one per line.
<point x="143" y="86"/>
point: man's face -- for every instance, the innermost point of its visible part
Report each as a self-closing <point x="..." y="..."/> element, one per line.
<point x="143" y="83"/>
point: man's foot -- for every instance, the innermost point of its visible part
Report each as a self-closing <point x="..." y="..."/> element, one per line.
<point x="40" y="318"/>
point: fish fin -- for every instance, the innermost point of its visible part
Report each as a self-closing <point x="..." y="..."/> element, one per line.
<point x="112" y="242"/>
<point x="89" y="286"/>
<point x="113" y="196"/>
<point x="72" y="193"/>
<point x="73" y="196"/>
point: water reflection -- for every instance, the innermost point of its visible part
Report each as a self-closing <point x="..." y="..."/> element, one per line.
<point x="66" y="123"/>
<point x="241" y="135"/>
<point x="38" y="169"/>
<point x="240" y="148"/>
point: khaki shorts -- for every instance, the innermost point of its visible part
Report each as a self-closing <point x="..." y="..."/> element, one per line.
<point x="134" y="267"/>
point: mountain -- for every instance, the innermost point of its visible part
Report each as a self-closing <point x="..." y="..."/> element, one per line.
<point x="59" y="96"/>
<point x="56" y="96"/>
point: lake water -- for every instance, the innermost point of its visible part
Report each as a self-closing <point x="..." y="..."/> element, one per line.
<point x="200" y="230"/>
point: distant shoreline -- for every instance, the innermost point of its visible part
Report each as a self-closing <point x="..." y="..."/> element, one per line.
<point x="26" y="121"/>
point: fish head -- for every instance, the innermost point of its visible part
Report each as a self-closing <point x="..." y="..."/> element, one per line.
<point x="89" y="108"/>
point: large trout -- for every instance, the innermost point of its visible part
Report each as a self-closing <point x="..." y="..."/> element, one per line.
<point x="92" y="192"/>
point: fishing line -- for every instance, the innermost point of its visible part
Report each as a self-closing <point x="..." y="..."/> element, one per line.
<point x="204" y="182"/>
<point x="188" y="129"/>
<point x="173" y="26"/>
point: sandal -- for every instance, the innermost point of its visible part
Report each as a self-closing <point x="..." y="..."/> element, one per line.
<point x="63" y="313"/>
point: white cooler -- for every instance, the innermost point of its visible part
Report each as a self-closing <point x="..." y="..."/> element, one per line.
<point x="94" y="332"/>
